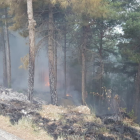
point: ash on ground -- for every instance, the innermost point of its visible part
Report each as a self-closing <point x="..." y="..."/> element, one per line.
<point x="70" y="122"/>
<point x="10" y="94"/>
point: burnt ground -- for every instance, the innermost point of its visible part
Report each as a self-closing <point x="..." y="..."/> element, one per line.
<point x="71" y="121"/>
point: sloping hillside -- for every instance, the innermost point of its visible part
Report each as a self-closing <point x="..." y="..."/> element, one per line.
<point x="45" y="122"/>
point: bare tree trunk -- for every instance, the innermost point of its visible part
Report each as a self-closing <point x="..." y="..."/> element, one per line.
<point x="137" y="91"/>
<point x="31" y="28"/>
<point x="84" y="66"/>
<point x="83" y="77"/>
<point x="55" y="60"/>
<point x="4" y="60"/>
<point x="8" y="58"/>
<point x="100" y="52"/>
<point x="51" y="58"/>
<point x="65" y="64"/>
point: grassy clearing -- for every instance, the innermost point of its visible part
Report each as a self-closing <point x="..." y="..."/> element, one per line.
<point x="25" y="129"/>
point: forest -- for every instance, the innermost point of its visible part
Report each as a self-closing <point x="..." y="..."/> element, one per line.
<point x="88" y="50"/>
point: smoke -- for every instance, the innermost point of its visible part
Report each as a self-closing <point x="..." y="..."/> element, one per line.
<point x="19" y="48"/>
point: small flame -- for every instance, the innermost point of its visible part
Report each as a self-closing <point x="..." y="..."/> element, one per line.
<point x="68" y="95"/>
<point x="47" y="84"/>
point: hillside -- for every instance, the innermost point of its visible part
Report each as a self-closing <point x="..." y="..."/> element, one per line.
<point x="39" y="121"/>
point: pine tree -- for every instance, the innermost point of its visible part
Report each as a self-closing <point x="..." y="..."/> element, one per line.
<point x="3" y="47"/>
<point x="7" y="50"/>
<point x="52" y="51"/>
<point x="86" y="10"/>
<point x="31" y="28"/>
<point x="4" y="59"/>
<point x="130" y="49"/>
<point x="6" y="45"/>
<point x="51" y="56"/>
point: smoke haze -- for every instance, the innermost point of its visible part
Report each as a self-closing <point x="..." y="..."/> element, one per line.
<point x="19" y="48"/>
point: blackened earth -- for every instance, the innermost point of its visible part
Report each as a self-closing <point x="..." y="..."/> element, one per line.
<point x="15" y="105"/>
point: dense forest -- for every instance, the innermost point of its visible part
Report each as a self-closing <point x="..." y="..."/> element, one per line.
<point x="88" y="50"/>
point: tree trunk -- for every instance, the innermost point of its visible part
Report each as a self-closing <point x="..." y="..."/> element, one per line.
<point x="83" y="77"/>
<point x="4" y="60"/>
<point x="8" y="58"/>
<point x="55" y="60"/>
<point x="137" y="91"/>
<point x="51" y="58"/>
<point x="31" y="28"/>
<point x="84" y="66"/>
<point x="100" y="52"/>
<point x="65" y="64"/>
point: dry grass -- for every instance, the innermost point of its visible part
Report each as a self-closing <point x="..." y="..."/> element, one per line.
<point x="52" y="112"/>
<point x="131" y="123"/>
<point x="103" y="130"/>
<point x="81" y="109"/>
<point x="25" y="129"/>
<point x="76" y="137"/>
<point x="92" y="118"/>
<point x="73" y="137"/>
<point x="128" y="122"/>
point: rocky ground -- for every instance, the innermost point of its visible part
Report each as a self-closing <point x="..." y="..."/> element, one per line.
<point x="69" y="123"/>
